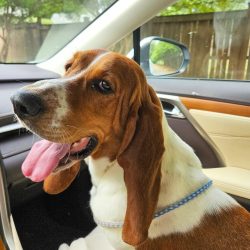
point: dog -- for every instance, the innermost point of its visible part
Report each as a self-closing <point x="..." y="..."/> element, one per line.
<point x="149" y="191"/>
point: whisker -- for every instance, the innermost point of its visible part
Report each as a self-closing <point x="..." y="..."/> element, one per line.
<point x="68" y="155"/>
<point x="70" y="126"/>
<point x="33" y="138"/>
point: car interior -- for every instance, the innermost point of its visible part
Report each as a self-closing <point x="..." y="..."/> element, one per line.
<point x="210" y="113"/>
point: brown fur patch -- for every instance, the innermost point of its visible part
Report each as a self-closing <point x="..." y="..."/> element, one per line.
<point x="2" y="247"/>
<point x="58" y="182"/>
<point x="229" y="229"/>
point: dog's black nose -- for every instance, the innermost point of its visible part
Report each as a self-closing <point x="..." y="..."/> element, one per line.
<point x="26" y="104"/>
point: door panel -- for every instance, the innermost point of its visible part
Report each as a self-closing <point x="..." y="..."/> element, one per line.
<point x="180" y="120"/>
<point x="230" y="133"/>
<point x="206" y="155"/>
<point x="231" y="180"/>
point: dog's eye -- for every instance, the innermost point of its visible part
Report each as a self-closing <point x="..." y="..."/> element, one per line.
<point x="102" y="86"/>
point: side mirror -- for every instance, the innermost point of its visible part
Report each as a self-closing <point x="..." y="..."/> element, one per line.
<point x="161" y="56"/>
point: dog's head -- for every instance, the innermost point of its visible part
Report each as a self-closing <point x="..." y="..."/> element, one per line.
<point x="102" y="107"/>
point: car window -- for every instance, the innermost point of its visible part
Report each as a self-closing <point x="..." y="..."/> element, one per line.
<point x="33" y="31"/>
<point x="216" y="33"/>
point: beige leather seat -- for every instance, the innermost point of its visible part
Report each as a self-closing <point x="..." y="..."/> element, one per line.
<point x="232" y="180"/>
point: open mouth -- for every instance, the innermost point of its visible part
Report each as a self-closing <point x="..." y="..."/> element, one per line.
<point x="78" y="151"/>
<point x="46" y="157"/>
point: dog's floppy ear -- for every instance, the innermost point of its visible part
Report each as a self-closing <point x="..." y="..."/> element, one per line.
<point x="58" y="182"/>
<point x="140" y="156"/>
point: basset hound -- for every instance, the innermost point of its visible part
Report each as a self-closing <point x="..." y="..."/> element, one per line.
<point x="149" y="191"/>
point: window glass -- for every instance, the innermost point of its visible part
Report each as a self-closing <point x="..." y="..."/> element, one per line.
<point x="124" y="46"/>
<point x="33" y="31"/>
<point x="216" y="33"/>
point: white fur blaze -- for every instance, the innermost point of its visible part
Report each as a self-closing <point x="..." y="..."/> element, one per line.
<point x="62" y="109"/>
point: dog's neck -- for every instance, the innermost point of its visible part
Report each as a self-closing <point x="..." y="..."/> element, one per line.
<point x="181" y="175"/>
<point x="181" y="168"/>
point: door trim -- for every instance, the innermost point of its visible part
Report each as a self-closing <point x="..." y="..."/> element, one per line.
<point x="215" y="106"/>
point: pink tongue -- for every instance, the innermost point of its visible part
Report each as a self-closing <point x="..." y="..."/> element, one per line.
<point x="43" y="158"/>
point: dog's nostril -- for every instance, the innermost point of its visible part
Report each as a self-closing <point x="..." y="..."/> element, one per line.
<point x="31" y="110"/>
<point x="27" y="104"/>
<point x="23" y="110"/>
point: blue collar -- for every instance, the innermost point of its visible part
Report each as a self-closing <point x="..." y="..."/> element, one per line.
<point x="165" y="210"/>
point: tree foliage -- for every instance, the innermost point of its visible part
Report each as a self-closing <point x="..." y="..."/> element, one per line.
<point x="185" y="7"/>
<point x="33" y="11"/>
<point x="29" y="10"/>
<point x="161" y="50"/>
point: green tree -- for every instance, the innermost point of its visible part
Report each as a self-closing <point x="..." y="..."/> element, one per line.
<point x="160" y="51"/>
<point x="185" y="7"/>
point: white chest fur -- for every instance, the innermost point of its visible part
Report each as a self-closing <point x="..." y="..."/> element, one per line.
<point x="181" y="175"/>
<point x="108" y="200"/>
<point x="108" y="194"/>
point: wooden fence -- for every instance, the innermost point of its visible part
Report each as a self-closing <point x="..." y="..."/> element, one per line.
<point x="24" y="42"/>
<point x="31" y="42"/>
<point x="219" y="43"/>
